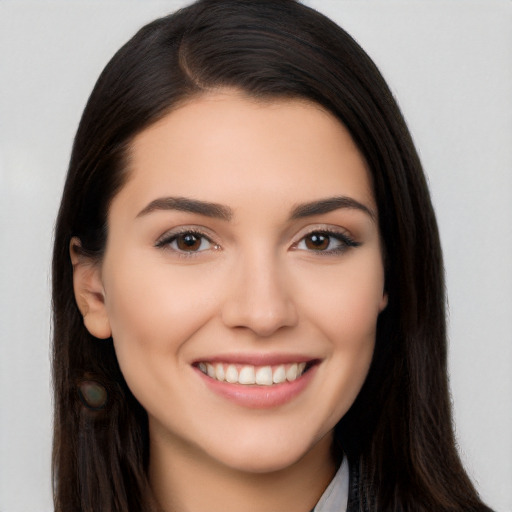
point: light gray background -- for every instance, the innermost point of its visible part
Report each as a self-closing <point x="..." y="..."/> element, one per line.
<point x="450" y="65"/>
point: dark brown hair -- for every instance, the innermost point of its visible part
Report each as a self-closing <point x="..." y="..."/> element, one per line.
<point x="398" y="434"/>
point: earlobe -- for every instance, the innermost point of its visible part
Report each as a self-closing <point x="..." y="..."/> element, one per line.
<point x="89" y="292"/>
<point x="383" y="302"/>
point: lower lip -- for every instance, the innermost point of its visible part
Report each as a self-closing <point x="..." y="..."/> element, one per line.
<point x="259" y="397"/>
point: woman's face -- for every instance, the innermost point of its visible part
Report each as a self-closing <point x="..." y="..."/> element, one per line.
<point x="243" y="278"/>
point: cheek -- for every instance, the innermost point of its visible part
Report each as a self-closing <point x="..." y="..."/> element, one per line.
<point x="349" y="300"/>
<point x="152" y="311"/>
<point x="346" y="313"/>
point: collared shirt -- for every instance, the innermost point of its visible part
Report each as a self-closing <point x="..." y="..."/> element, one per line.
<point x="335" y="497"/>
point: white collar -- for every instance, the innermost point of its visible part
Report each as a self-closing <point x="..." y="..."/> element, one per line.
<point x="335" y="497"/>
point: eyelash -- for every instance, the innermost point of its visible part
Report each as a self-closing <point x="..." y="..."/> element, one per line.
<point x="166" y="240"/>
<point x="346" y="242"/>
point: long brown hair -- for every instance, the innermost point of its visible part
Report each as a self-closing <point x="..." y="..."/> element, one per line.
<point x="398" y="434"/>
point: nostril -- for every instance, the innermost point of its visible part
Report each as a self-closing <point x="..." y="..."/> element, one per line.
<point x="263" y="319"/>
<point x="258" y="297"/>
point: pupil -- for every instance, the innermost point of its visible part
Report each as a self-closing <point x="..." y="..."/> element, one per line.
<point x="318" y="242"/>
<point x="188" y="242"/>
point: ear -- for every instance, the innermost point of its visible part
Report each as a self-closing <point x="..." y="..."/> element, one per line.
<point x="89" y="292"/>
<point x="383" y="302"/>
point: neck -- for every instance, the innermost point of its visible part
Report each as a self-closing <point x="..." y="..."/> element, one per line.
<point x="184" y="480"/>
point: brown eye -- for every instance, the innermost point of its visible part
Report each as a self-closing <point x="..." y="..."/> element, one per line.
<point x="326" y="242"/>
<point x="188" y="242"/>
<point x="317" y="241"/>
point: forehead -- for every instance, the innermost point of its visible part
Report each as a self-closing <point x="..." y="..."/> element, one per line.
<point x="224" y="146"/>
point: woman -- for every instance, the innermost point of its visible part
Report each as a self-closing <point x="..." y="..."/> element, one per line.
<point x="248" y="286"/>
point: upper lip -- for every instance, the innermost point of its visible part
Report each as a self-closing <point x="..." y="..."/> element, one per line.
<point x="257" y="359"/>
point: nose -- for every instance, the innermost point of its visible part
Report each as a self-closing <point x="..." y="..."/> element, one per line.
<point x="259" y="297"/>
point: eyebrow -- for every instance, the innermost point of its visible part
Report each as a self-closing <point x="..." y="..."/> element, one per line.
<point x="222" y="212"/>
<point x="328" y="205"/>
<point x="184" y="204"/>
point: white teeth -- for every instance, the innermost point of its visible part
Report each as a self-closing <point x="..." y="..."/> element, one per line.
<point x="232" y="374"/>
<point x="264" y="376"/>
<point x="247" y="376"/>
<point x="210" y="370"/>
<point x="291" y="373"/>
<point x="279" y="375"/>
<point x="219" y="372"/>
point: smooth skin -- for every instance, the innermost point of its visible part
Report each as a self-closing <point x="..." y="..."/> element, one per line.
<point x="177" y="287"/>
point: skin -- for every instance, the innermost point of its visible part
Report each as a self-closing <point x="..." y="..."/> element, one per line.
<point x="256" y="287"/>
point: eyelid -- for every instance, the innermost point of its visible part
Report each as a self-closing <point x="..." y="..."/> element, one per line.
<point x="337" y="232"/>
<point x="164" y="240"/>
<point x="323" y="228"/>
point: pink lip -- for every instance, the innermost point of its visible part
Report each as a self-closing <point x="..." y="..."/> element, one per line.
<point x="259" y="397"/>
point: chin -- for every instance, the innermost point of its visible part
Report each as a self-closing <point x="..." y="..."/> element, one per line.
<point x="264" y="462"/>
<point x="271" y="454"/>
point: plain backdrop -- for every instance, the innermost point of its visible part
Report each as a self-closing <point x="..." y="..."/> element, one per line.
<point x="449" y="63"/>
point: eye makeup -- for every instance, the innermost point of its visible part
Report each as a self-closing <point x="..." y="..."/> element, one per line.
<point x="186" y="241"/>
<point x="326" y="242"/>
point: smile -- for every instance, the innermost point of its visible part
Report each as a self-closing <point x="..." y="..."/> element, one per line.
<point x="257" y="381"/>
<point x="253" y="375"/>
